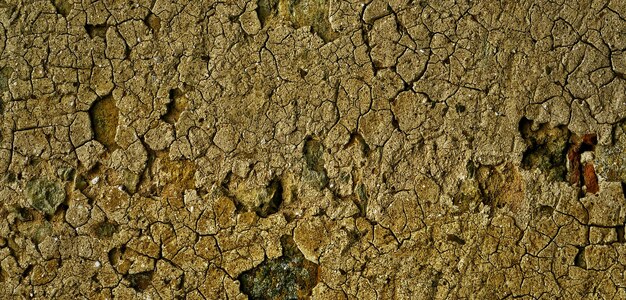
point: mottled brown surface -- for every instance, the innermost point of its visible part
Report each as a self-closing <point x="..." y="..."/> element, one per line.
<point x="329" y="149"/>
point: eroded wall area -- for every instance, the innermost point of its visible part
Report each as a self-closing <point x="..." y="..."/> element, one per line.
<point x="326" y="149"/>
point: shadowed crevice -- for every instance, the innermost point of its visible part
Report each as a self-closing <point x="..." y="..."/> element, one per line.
<point x="96" y="30"/>
<point x="313" y="153"/>
<point x="104" y="120"/>
<point x="275" y="193"/>
<point x="579" y="259"/>
<point x="177" y="104"/>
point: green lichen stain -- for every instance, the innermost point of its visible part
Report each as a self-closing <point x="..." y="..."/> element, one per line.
<point x="45" y="195"/>
<point x="105" y="229"/>
<point x="287" y="277"/>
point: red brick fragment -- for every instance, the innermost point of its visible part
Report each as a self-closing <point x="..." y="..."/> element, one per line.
<point x="573" y="155"/>
<point x="590" y="178"/>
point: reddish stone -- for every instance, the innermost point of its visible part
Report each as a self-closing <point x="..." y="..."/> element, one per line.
<point x="573" y="155"/>
<point x="591" y="180"/>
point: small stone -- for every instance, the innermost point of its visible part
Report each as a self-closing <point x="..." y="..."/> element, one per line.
<point x="250" y="22"/>
<point x="226" y="138"/>
<point x="601" y="235"/>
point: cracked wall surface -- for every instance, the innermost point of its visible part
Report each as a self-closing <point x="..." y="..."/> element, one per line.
<point x="325" y="149"/>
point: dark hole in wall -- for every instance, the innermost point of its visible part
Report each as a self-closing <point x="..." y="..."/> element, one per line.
<point x="455" y="238"/>
<point x="114" y="256"/>
<point x="313" y="152"/>
<point x="140" y="281"/>
<point x="104" y="120"/>
<point x="96" y="30"/>
<point x="27" y="271"/>
<point x="546" y="149"/>
<point x="24" y="214"/>
<point x="275" y="192"/>
<point x="579" y="259"/>
<point x="358" y="140"/>
<point x="153" y="22"/>
<point x="175" y="107"/>
<point x="63" y="7"/>
<point x="620" y="234"/>
<point x="265" y="9"/>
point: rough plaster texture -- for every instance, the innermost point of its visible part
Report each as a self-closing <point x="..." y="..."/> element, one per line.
<point x="331" y="149"/>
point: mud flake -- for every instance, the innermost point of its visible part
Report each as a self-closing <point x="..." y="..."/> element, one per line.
<point x="226" y="138"/>
<point x="250" y="22"/>
<point x="608" y="207"/>
<point x="609" y="160"/>
<point x="160" y="137"/>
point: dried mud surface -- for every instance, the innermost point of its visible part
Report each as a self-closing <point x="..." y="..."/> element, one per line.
<point x="325" y="149"/>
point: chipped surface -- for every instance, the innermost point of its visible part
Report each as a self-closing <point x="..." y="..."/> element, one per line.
<point x="312" y="149"/>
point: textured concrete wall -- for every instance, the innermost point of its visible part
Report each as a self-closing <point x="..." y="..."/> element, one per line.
<point x="332" y="149"/>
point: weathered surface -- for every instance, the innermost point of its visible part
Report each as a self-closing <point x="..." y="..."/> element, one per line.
<point x="314" y="148"/>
